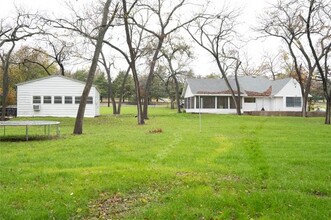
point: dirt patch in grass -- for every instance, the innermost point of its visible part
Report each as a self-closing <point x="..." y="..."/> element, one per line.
<point x="319" y="193"/>
<point x="156" y="131"/>
<point x="118" y="206"/>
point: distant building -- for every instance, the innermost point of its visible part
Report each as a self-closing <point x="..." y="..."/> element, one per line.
<point x="55" y="96"/>
<point x="257" y="94"/>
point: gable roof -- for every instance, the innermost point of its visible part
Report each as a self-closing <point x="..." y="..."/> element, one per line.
<point x="55" y="76"/>
<point x="49" y="77"/>
<point x="249" y="86"/>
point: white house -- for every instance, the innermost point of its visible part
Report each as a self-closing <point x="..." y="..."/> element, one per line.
<point x="55" y="96"/>
<point x="257" y="93"/>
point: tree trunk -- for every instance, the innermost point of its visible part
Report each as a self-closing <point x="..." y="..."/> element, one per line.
<point x="306" y="93"/>
<point x="228" y="84"/>
<point x="115" y="112"/>
<point x="111" y="94"/>
<point x="5" y="88"/>
<point x="150" y="76"/>
<point x="328" y="111"/>
<point x="323" y="72"/>
<point x="238" y="101"/>
<point x="61" y="68"/>
<point x="122" y="91"/>
<point x="132" y="63"/>
<point x="146" y="96"/>
<point x="177" y="94"/>
<point x="304" y="107"/>
<point x="108" y="94"/>
<point x="172" y="103"/>
<point x="140" y="116"/>
<point x="82" y="105"/>
<point x="4" y="93"/>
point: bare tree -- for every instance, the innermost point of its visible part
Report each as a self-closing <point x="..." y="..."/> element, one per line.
<point x="25" y="25"/>
<point x="177" y="56"/>
<point x="85" y="25"/>
<point x="271" y="64"/>
<point x="134" y="39"/>
<point x="30" y="57"/>
<point x="133" y="57"/>
<point x="102" y="29"/>
<point x="60" y="51"/>
<point x="5" y="60"/>
<point x="284" y="20"/>
<point x="168" y="17"/>
<point x="121" y="93"/>
<point x="107" y="66"/>
<point x="216" y="34"/>
<point x="319" y="14"/>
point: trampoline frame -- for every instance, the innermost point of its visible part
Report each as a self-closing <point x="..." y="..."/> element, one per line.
<point x="26" y="124"/>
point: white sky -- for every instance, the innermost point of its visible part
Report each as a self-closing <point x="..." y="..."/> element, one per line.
<point x="203" y="65"/>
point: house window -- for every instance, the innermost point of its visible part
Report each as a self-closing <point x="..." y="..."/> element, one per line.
<point x="68" y="99"/>
<point x="208" y="102"/>
<point x="249" y="100"/>
<point x="47" y="99"/>
<point x="89" y="100"/>
<point x="36" y="99"/>
<point x="222" y="102"/>
<point x="77" y="99"/>
<point x="293" y="102"/>
<point x="57" y="99"/>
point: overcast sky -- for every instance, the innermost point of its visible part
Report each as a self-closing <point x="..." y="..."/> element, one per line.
<point x="203" y="65"/>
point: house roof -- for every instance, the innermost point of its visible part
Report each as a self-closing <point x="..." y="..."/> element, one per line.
<point x="54" y="76"/>
<point x="210" y="86"/>
<point x="249" y="86"/>
<point x="49" y="77"/>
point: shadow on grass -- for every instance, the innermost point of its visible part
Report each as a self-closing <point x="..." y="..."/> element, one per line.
<point x="31" y="138"/>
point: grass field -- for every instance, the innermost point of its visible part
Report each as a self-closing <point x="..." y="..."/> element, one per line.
<point x="236" y="167"/>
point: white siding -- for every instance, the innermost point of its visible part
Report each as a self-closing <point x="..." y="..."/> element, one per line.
<point x="54" y="86"/>
<point x="264" y="103"/>
<point x="188" y="92"/>
<point x="212" y="111"/>
<point x="291" y="89"/>
<point x="278" y="104"/>
<point x="250" y="107"/>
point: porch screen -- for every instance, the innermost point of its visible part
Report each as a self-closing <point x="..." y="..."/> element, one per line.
<point x="192" y="102"/>
<point x="232" y="104"/>
<point x="222" y="102"/>
<point x="208" y="102"/>
<point x="189" y="103"/>
<point x="197" y="101"/>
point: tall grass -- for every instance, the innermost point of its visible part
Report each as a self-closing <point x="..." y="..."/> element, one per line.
<point x="236" y="167"/>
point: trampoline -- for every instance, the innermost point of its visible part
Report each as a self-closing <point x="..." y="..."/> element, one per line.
<point x="27" y="124"/>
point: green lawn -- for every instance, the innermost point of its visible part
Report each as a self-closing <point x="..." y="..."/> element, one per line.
<point x="236" y="167"/>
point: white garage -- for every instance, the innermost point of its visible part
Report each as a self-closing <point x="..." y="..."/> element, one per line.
<point x="56" y="96"/>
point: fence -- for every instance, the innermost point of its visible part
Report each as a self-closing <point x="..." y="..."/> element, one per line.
<point x="284" y="113"/>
